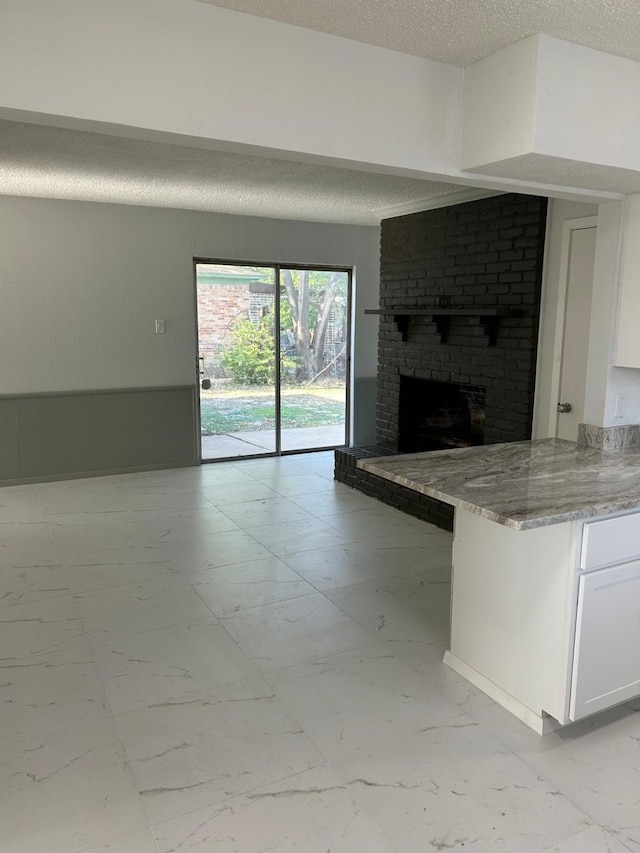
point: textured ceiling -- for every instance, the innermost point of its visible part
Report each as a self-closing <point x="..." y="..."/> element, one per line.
<point x="459" y="31"/>
<point x="56" y="163"/>
<point x="540" y="168"/>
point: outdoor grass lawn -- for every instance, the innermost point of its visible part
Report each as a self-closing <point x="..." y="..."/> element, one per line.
<point x="255" y="411"/>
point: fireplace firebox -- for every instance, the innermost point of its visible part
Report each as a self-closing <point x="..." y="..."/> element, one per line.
<point x="439" y="415"/>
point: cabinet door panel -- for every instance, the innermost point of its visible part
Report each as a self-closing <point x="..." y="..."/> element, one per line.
<point x="606" y="663"/>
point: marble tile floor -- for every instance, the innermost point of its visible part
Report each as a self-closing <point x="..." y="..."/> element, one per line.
<point x="246" y="657"/>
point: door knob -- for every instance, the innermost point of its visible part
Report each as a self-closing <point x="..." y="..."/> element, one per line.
<point x="564" y="408"/>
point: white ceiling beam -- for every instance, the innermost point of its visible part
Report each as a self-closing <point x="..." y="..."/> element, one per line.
<point x="549" y="110"/>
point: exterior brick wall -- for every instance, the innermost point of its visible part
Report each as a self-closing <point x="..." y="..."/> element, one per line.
<point x="481" y="254"/>
<point x="218" y="308"/>
<point x="221" y="305"/>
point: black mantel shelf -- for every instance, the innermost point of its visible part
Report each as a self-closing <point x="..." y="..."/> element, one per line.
<point x="488" y="318"/>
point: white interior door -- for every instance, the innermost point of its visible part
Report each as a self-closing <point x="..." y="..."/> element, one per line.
<point x="575" y="338"/>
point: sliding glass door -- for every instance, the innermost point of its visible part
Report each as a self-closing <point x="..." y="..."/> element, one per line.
<point x="314" y="309"/>
<point x="273" y="358"/>
<point x="236" y="309"/>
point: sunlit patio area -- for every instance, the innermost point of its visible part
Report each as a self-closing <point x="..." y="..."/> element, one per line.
<point x="262" y="441"/>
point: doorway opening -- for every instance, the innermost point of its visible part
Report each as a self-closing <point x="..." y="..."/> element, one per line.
<point x="273" y="358"/>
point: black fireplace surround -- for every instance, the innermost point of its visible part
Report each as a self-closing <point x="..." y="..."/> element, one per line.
<point x="483" y="256"/>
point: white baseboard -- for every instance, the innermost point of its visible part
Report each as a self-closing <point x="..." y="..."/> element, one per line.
<point x="542" y="724"/>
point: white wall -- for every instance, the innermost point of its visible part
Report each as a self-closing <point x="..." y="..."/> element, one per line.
<point x="587" y="105"/>
<point x="623" y="380"/>
<point x="499" y="108"/>
<point x="550" y="111"/>
<point x="194" y="70"/>
<point x="603" y="380"/>
<point x="82" y="284"/>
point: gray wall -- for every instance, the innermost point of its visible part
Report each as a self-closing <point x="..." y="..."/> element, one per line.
<point x="54" y="436"/>
<point x="83" y="283"/>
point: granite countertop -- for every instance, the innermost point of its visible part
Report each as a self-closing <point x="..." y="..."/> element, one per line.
<point x="524" y="484"/>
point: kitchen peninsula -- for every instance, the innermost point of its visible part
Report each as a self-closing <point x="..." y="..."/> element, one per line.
<point x="545" y="610"/>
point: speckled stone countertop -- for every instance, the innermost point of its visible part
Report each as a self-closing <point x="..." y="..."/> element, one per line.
<point x="522" y="485"/>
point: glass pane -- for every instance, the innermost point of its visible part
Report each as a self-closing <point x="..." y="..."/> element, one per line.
<point x="237" y="359"/>
<point x="313" y="358"/>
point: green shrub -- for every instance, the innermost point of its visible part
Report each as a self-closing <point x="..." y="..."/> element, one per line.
<point x="249" y="352"/>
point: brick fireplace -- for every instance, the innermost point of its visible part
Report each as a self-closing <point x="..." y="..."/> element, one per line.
<point x="459" y="312"/>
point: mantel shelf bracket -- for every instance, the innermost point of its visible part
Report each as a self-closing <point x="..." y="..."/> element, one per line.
<point x="402" y="325"/>
<point x="490" y="327"/>
<point x="489" y="319"/>
<point x="442" y="326"/>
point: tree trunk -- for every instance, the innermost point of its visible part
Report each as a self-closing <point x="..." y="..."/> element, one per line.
<point x="320" y="332"/>
<point x="298" y="296"/>
<point x="309" y="347"/>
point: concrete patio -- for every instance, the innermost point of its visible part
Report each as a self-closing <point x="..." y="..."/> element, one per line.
<point x="254" y="442"/>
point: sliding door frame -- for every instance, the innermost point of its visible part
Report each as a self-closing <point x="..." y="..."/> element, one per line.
<point x="276" y="267"/>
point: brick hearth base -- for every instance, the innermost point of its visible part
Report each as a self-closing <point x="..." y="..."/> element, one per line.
<point x="392" y="494"/>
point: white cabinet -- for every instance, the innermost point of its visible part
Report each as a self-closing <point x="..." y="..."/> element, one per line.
<point x="547" y="621"/>
<point x="610" y="541"/>
<point x="606" y="661"/>
<point x="513" y="607"/>
<point x="606" y="652"/>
